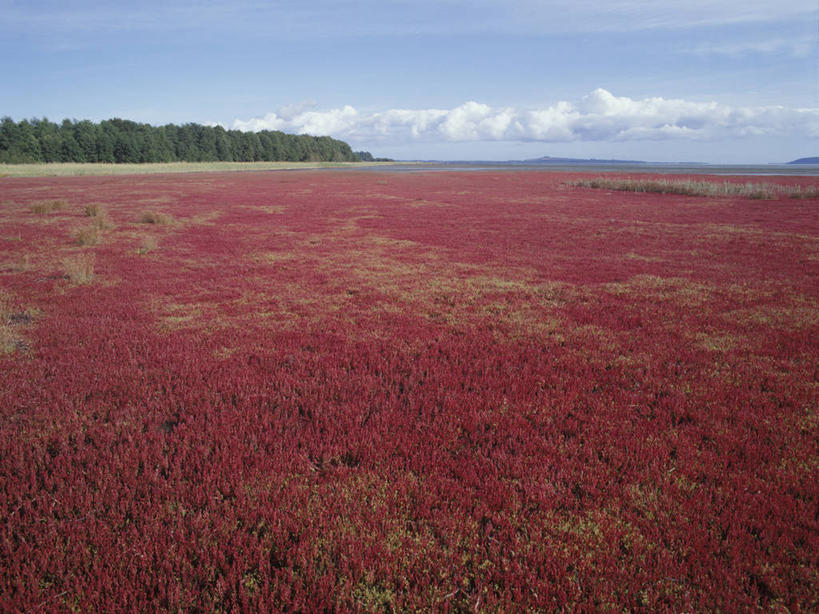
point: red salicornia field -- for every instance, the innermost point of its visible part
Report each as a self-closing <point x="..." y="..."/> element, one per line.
<point x="355" y="391"/>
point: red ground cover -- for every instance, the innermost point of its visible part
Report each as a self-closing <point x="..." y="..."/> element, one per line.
<point x="367" y="391"/>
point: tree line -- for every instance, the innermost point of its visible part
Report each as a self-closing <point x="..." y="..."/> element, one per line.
<point x="121" y="141"/>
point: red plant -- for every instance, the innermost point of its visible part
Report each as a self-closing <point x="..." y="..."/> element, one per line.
<point x="344" y="391"/>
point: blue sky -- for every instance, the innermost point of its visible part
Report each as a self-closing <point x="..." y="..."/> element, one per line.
<point x="672" y="80"/>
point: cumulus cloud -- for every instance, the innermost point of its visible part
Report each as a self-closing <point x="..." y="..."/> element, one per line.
<point x="598" y="116"/>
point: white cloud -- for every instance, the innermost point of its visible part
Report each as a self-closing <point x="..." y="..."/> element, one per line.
<point x="290" y="111"/>
<point x="690" y="13"/>
<point x="476" y="122"/>
<point x="599" y="116"/>
<point x="797" y="47"/>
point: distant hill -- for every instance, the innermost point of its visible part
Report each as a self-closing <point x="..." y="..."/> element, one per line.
<point x="813" y="160"/>
<point x="551" y="160"/>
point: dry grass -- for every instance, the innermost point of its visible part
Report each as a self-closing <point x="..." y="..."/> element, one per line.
<point x="79" y="268"/>
<point x="147" y="244"/>
<point x="75" y="169"/>
<point x="94" y="210"/>
<point x="90" y="235"/>
<point x="47" y="206"/>
<point x="689" y="187"/>
<point x="154" y="217"/>
<point x="800" y="192"/>
<point x="21" y="265"/>
<point x="102" y="222"/>
<point x="11" y="320"/>
<point x="5" y="306"/>
<point x="8" y="341"/>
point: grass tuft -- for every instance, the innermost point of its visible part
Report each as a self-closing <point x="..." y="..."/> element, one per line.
<point x="153" y="217"/>
<point x="10" y="320"/>
<point x="20" y="265"/>
<point x="102" y="222"/>
<point x="90" y="235"/>
<point x="147" y="244"/>
<point x="8" y="340"/>
<point x="94" y="210"/>
<point x="100" y="215"/>
<point x="47" y="206"/>
<point x="79" y="268"/>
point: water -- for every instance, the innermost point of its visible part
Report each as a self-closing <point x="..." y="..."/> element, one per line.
<point x="796" y="170"/>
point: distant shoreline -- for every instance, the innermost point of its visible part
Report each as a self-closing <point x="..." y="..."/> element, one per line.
<point x="95" y="169"/>
<point x="652" y="168"/>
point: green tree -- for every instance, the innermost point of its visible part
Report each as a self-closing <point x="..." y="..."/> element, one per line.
<point x="120" y="140"/>
<point x="50" y="137"/>
<point x="86" y="135"/>
<point x="70" y="150"/>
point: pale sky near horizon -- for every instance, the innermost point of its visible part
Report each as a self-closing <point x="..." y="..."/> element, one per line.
<point x="662" y="80"/>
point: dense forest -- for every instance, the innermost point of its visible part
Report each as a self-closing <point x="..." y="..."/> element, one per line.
<point x="119" y="140"/>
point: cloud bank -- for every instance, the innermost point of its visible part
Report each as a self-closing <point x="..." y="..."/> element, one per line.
<point x="599" y="116"/>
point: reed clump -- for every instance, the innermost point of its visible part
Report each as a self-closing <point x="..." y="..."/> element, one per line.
<point x="47" y="206"/>
<point x="90" y="235"/>
<point x="79" y="268"/>
<point x="155" y="217"/>
<point x="147" y="244"/>
<point x="690" y="187"/>
<point x="99" y="215"/>
<point x="8" y="340"/>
